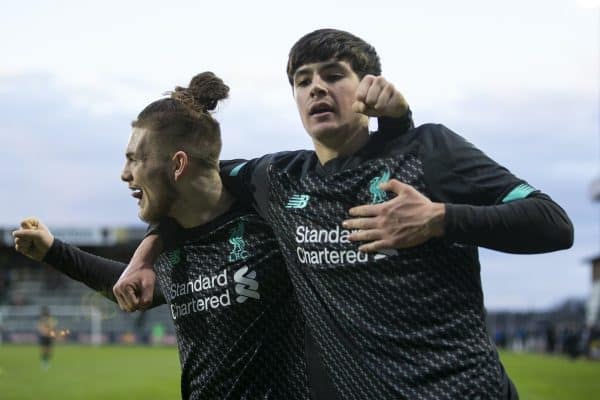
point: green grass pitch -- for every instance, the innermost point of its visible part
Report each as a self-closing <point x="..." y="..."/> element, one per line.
<point x="91" y="373"/>
<point x="84" y="372"/>
<point x="542" y="377"/>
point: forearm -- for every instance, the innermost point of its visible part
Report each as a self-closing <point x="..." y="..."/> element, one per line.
<point x="149" y="249"/>
<point x="135" y="288"/>
<point x="98" y="273"/>
<point x="532" y="225"/>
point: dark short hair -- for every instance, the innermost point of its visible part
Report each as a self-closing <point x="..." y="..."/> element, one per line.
<point x="326" y="44"/>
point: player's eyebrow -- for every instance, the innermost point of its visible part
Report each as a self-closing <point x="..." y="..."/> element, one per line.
<point x="302" y="71"/>
<point x="333" y="64"/>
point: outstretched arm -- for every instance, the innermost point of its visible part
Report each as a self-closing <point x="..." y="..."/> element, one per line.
<point x="35" y="241"/>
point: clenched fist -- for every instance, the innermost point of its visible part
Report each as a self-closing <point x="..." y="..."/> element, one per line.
<point x="33" y="239"/>
<point x="376" y="97"/>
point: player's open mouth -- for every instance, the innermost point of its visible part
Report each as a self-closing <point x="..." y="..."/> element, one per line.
<point x="320" y="108"/>
<point x="137" y="193"/>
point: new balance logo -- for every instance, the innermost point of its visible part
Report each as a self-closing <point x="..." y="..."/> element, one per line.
<point x="247" y="286"/>
<point x="298" y="201"/>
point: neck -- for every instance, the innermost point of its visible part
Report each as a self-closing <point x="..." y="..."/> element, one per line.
<point x="201" y="201"/>
<point x="340" y="145"/>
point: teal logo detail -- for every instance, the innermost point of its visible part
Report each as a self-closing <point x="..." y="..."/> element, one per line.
<point x="518" y="193"/>
<point x="298" y="201"/>
<point x="236" y="239"/>
<point x="236" y="170"/>
<point x="174" y="256"/>
<point x="378" y="195"/>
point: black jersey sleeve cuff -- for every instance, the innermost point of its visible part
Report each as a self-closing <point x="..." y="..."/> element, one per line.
<point x="52" y="257"/>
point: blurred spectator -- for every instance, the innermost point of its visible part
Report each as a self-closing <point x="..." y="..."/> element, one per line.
<point x="550" y="338"/>
<point x="519" y="339"/>
<point x="139" y="325"/>
<point x="46" y="326"/>
<point x="571" y="342"/>
<point x="500" y="338"/>
<point x="5" y="280"/>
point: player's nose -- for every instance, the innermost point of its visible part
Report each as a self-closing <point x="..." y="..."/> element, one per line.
<point x="318" y="87"/>
<point x="126" y="174"/>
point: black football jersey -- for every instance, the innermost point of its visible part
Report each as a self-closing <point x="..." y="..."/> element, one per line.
<point x="240" y="331"/>
<point x="397" y="324"/>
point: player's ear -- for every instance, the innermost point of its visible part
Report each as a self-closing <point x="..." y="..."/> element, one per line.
<point x="180" y="164"/>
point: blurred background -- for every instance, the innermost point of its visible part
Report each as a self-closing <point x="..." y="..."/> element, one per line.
<point x="519" y="79"/>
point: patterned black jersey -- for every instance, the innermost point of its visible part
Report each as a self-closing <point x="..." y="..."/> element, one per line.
<point x="239" y="328"/>
<point x="398" y="324"/>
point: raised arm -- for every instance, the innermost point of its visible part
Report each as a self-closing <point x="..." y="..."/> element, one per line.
<point x="35" y="241"/>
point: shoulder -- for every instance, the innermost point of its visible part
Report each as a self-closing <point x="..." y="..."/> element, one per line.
<point x="438" y="137"/>
<point x="428" y="139"/>
<point x="289" y="159"/>
<point x="281" y="160"/>
<point x="241" y="214"/>
<point x="438" y="142"/>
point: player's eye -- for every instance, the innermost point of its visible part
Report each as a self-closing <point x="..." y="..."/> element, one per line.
<point x="131" y="161"/>
<point x="302" y="82"/>
<point x="336" y="76"/>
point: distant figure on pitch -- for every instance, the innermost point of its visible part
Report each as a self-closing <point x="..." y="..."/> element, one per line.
<point x="45" y="328"/>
